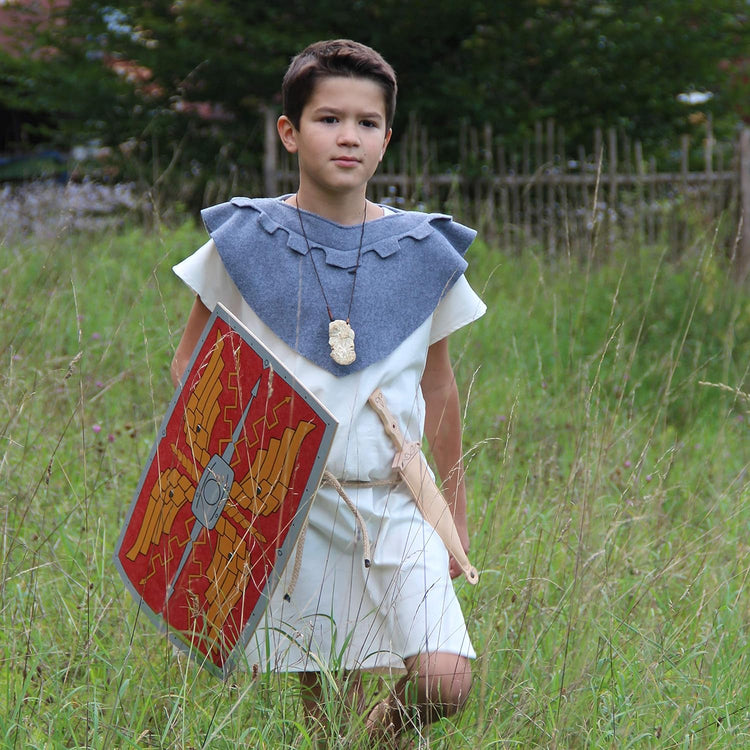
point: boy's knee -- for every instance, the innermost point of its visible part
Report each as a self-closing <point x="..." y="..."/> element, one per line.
<point x="449" y="684"/>
<point x="453" y="692"/>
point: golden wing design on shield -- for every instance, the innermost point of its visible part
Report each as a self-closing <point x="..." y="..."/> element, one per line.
<point x="170" y="492"/>
<point x="229" y="572"/>
<point x="266" y="484"/>
<point x="174" y="487"/>
<point x="202" y="408"/>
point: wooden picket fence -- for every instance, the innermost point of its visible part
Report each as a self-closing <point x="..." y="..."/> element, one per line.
<point x="536" y="197"/>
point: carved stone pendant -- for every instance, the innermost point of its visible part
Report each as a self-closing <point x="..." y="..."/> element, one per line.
<point x="341" y="341"/>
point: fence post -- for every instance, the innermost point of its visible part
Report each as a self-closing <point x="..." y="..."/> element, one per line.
<point x="489" y="218"/>
<point x="612" y="207"/>
<point x="742" y="261"/>
<point x="548" y="172"/>
<point x="270" y="151"/>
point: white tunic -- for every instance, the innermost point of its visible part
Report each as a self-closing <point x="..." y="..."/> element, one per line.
<point x="341" y="614"/>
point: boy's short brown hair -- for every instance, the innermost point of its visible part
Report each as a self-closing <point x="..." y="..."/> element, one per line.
<point x="336" y="57"/>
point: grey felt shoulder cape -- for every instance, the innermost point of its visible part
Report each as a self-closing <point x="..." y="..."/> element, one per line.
<point x="409" y="261"/>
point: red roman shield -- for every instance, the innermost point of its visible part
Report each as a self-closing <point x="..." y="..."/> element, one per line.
<point x="223" y="495"/>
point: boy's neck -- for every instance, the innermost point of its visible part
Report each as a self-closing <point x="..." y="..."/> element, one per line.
<point x="343" y="209"/>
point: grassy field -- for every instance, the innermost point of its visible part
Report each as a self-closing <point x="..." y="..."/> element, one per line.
<point x="608" y="441"/>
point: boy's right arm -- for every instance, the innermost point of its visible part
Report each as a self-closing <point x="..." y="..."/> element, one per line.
<point x="196" y="322"/>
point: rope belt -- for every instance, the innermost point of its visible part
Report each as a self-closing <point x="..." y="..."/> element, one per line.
<point x="328" y="478"/>
<point x="338" y="485"/>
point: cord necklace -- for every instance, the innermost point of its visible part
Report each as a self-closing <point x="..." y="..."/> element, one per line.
<point x="340" y="332"/>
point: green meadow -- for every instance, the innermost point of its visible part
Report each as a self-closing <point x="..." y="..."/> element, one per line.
<point x="607" y="438"/>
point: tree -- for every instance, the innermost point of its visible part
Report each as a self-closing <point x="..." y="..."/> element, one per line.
<point x="605" y="63"/>
<point x="180" y="83"/>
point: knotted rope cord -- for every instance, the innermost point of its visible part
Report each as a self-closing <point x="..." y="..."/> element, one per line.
<point x="331" y="480"/>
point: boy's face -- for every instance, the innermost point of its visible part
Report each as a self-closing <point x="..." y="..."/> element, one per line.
<point x="342" y="134"/>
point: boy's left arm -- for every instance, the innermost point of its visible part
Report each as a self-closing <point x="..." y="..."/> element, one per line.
<point x="443" y="432"/>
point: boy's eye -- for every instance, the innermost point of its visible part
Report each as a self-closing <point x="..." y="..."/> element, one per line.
<point x="369" y="123"/>
<point x="329" y="119"/>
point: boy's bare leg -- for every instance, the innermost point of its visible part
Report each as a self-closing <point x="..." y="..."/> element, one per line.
<point x="311" y="693"/>
<point x="435" y="685"/>
<point x="313" y="702"/>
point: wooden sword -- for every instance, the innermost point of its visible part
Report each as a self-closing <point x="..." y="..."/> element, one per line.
<point x="414" y="471"/>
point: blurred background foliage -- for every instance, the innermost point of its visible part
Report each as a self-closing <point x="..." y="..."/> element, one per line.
<point x="172" y="92"/>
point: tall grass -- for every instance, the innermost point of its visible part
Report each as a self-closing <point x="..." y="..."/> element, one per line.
<point x="607" y="454"/>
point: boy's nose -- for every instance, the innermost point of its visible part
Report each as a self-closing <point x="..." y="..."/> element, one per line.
<point x="348" y="134"/>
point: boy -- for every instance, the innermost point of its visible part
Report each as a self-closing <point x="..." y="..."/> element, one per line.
<point x="353" y="296"/>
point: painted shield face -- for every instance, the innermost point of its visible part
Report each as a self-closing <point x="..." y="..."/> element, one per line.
<point x="223" y="495"/>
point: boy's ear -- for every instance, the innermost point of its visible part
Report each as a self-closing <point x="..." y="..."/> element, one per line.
<point x="385" y="143"/>
<point x="287" y="133"/>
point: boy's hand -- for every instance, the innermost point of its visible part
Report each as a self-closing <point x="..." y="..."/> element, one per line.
<point x="455" y="570"/>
